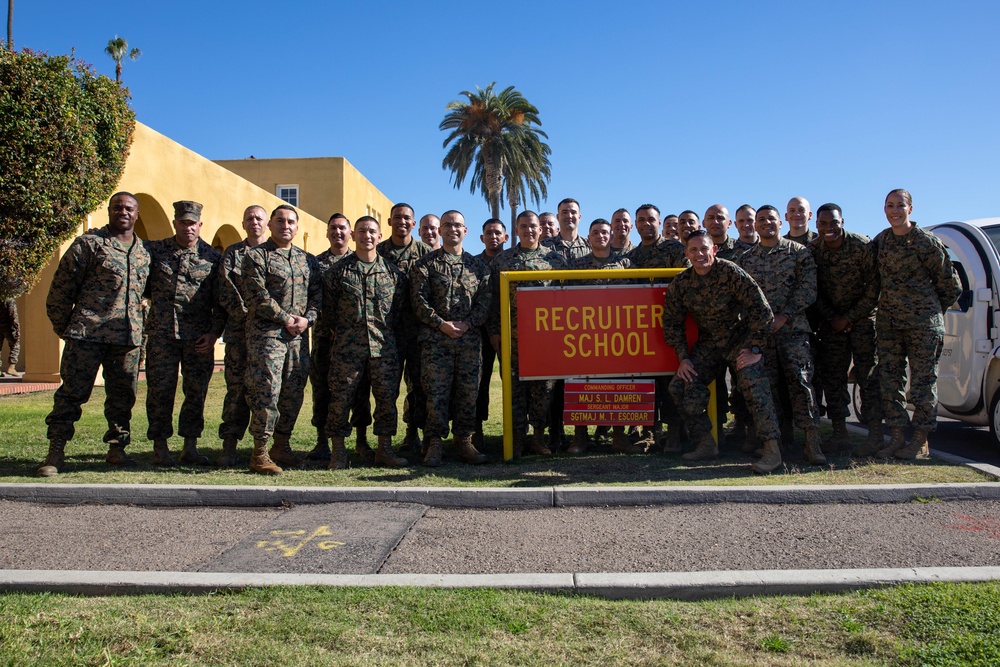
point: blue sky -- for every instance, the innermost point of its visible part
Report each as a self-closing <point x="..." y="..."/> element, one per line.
<point x="682" y="104"/>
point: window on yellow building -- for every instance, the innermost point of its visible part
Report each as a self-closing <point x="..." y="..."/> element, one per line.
<point x="288" y="193"/>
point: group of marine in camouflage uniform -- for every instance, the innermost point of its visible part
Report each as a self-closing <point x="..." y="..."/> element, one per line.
<point x="767" y="308"/>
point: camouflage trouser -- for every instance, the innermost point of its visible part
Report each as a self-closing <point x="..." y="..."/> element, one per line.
<point x="319" y="379"/>
<point x="277" y="372"/>
<point x="666" y="408"/>
<point x="13" y="338"/>
<point x="692" y="398"/>
<point x="788" y="357"/>
<point x="489" y="357"/>
<point x="531" y="400"/>
<point x="415" y="403"/>
<point x="78" y="370"/>
<point x="163" y="359"/>
<point x="346" y="372"/>
<point x="836" y="350"/>
<point x="235" y="407"/>
<point x="921" y="348"/>
<point x="450" y="372"/>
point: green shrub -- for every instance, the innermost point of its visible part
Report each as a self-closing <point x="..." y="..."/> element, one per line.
<point x="65" y="134"/>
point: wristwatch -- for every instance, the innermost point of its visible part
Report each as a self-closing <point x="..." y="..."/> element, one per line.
<point x="755" y="349"/>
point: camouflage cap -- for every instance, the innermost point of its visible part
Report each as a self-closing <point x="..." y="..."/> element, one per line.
<point x="187" y="210"/>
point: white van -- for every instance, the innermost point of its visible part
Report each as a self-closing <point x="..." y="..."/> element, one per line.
<point x="969" y="371"/>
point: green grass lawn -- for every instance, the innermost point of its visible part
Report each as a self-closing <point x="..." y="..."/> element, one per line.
<point x="942" y="625"/>
<point x="23" y="447"/>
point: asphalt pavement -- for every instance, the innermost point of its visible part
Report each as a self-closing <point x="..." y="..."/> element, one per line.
<point x="687" y="543"/>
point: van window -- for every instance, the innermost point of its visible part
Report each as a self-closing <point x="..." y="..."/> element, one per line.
<point x="993" y="233"/>
<point x="965" y="298"/>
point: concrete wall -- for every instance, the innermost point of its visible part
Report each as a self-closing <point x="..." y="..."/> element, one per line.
<point x="159" y="172"/>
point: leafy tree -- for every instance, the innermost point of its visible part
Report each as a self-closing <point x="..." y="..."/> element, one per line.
<point x="117" y="48"/>
<point x="495" y="138"/>
<point x="65" y="134"/>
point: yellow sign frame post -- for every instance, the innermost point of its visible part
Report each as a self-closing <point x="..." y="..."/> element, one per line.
<point x="508" y="277"/>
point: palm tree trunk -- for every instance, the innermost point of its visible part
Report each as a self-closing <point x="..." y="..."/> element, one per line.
<point x="10" y="25"/>
<point x="118" y="71"/>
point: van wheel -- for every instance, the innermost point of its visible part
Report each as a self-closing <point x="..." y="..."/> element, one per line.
<point x="995" y="418"/>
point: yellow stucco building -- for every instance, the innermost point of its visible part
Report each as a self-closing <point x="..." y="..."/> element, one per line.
<point x="160" y="171"/>
<point x="321" y="186"/>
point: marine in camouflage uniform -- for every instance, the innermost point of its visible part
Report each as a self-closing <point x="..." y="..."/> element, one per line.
<point x="402" y="251"/>
<point x="364" y="296"/>
<point x="570" y="245"/>
<point x="185" y="320"/>
<point x="847" y="292"/>
<point x="734" y="322"/>
<point x="10" y="331"/>
<point x="338" y="233"/>
<point x="621" y="228"/>
<point x="494" y="237"/>
<point x="283" y="288"/>
<point x="94" y="306"/>
<point x="786" y="273"/>
<point x="656" y="252"/>
<point x="798" y="213"/>
<point x="717" y="223"/>
<point x="602" y="257"/>
<point x="918" y="284"/>
<point x="451" y="297"/>
<point x="530" y="399"/>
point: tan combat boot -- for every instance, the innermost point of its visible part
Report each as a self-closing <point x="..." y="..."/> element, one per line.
<point x="872" y="444"/>
<point x="770" y="458"/>
<point x="161" y="453"/>
<point x="190" y="453"/>
<point x="672" y="439"/>
<point x="411" y="440"/>
<point x="260" y="462"/>
<point x="897" y="441"/>
<point x="580" y="441"/>
<point x="917" y="449"/>
<point x="840" y="441"/>
<point x="435" y="450"/>
<point x="338" y="454"/>
<point x="519" y="440"/>
<point x="53" y="462"/>
<point x="468" y="452"/>
<point x="384" y="456"/>
<point x="362" y="449"/>
<point x="361" y="440"/>
<point x="707" y="448"/>
<point x="116" y="455"/>
<point x="813" y="451"/>
<point x="321" y="452"/>
<point x="228" y="457"/>
<point x="538" y="441"/>
<point x="738" y="434"/>
<point x="281" y="452"/>
<point x="620" y="442"/>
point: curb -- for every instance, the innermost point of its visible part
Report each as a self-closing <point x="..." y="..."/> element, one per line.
<point x="173" y="495"/>
<point x="689" y="586"/>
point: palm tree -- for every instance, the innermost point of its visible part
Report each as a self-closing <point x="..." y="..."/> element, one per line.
<point x="495" y="136"/>
<point x="117" y="48"/>
<point x="10" y="25"/>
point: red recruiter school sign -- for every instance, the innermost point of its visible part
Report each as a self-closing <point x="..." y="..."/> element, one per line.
<point x="606" y="331"/>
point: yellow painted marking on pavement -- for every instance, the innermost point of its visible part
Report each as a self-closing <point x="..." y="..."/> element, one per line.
<point x="289" y="548"/>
